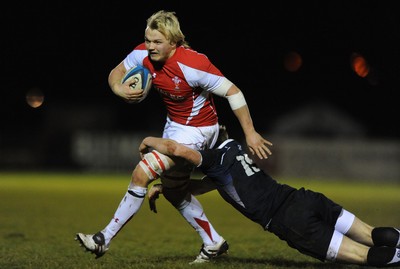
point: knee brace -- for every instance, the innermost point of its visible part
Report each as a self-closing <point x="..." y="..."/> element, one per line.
<point x="154" y="164"/>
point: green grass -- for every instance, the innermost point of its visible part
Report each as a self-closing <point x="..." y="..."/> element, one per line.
<point x="41" y="212"/>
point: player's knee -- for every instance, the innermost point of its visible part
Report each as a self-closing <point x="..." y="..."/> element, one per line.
<point x="385" y="236"/>
<point x="154" y="164"/>
<point x="380" y="256"/>
<point x="140" y="178"/>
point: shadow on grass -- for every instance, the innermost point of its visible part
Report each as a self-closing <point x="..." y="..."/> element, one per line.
<point x="285" y="263"/>
<point x="235" y="262"/>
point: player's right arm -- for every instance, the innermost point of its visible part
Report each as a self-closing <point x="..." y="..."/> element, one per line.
<point x="255" y="142"/>
<point x="122" y="89"/>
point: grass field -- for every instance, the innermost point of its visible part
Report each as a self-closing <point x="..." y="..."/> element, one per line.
<point x="41" y="212"/>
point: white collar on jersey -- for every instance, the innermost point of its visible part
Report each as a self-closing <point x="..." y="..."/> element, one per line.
<point x="225" y="142"/>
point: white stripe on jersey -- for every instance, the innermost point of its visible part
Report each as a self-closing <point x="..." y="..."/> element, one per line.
<point x="197" y="105"/>
<point x="197" y="78"/>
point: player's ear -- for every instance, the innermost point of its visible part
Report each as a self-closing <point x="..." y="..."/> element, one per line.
<point x="173" y="44"/>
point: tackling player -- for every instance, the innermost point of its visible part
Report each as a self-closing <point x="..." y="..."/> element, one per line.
<point x="308" y="221"/>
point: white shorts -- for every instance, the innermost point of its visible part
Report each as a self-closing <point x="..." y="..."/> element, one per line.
<point x="193" y="137"/>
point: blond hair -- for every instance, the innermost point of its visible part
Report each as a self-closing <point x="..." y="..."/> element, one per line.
<point x="167" y="24"/>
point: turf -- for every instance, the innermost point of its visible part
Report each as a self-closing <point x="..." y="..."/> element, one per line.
<point x="41" y="212"/>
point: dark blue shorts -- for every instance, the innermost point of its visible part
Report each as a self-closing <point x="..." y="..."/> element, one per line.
<point x="306" y="221"/>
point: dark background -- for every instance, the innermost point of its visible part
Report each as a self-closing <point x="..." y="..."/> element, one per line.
<point x="67" y="49"/>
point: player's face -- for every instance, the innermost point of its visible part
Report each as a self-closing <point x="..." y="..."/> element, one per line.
<point x="159" y="48"/>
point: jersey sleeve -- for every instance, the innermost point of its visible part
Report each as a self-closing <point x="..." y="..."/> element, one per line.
<point x="200" y="72"/>
<point x="208" y="157"/>
<point x="215" y="164"/>
<point x="135" y="57"/>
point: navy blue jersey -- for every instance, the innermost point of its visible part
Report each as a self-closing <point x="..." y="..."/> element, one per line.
<point x="242" y="184"/>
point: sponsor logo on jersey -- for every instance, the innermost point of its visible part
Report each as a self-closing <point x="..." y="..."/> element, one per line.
<point x="170" y="95"/>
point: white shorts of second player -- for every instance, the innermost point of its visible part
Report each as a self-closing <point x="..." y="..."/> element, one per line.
<point x="193" y="137"/>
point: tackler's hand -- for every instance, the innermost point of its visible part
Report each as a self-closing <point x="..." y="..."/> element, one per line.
<point x="153" y="195"/>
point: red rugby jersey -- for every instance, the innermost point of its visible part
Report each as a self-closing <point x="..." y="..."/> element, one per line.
<point x="185" y="83"/>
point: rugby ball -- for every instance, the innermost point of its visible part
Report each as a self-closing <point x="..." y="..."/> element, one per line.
<point x="139" y="77"/>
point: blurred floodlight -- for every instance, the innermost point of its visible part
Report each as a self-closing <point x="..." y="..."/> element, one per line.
<point x="34" y="97"/>
<point x="359" y="65"/>
<point x="292" y="61"/>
